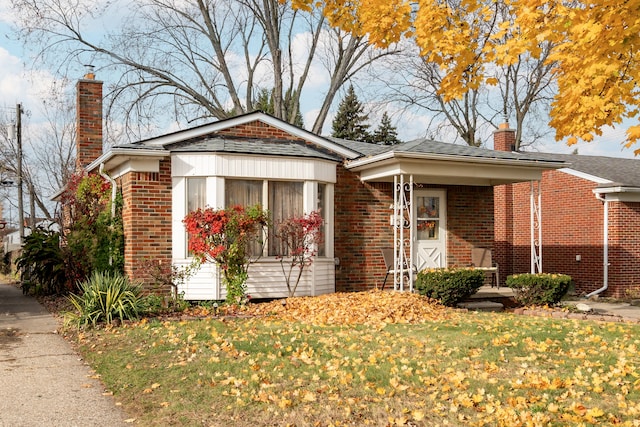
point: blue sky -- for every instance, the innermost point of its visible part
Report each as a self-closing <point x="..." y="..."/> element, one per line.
<point x="19" y="85"/>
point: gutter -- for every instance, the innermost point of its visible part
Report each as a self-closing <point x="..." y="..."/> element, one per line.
<point x="605" y="245"/>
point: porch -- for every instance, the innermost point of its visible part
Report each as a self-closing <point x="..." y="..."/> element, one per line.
<point x="433" y="207"/>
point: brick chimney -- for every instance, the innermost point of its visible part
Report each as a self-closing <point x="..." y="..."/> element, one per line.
<point x="504" y="139"/>
<point x="89" y="119"/>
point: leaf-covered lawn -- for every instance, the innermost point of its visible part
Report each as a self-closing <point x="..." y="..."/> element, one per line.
<point x="371" y="359"/>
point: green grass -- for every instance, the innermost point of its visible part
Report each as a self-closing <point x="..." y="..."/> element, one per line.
<point x="480" y="369"/>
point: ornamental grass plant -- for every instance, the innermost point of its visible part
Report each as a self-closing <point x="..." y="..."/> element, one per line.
<point x="104" y="297"/>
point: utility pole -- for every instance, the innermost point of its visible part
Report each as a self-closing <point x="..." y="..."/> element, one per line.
<point x="19" y="145"/>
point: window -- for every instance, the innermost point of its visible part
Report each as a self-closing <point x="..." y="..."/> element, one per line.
<point x="428" y="215"/>
<point x="322" y="208"/>
<point x="196" y="193"/>
<point x="244" y="193"/>
<point x="285" y="201"/>
<point x="196" y="198"/>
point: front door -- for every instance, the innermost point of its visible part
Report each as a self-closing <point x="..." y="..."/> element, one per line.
<point x="430" y="224"/>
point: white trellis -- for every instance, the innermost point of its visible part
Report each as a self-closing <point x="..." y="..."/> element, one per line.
<point x="402" y="221"/>
<point x="536" y="227"/>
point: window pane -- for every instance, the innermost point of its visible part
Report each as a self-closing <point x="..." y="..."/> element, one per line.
<point x="244" y="193"/>
<point x="196" y="193"/>
<point x="285" y="201"/>
<point x="196" y="197"/>
<point x="428" y="207"/>
<point x="322" y="208"/>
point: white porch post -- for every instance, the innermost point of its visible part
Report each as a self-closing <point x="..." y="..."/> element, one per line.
<point x="402" y="221"/>
<point x="536" y="227"/>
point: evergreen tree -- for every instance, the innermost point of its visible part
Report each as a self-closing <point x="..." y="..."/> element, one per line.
<point x="386" y="134"/>
<point x="350" y="121"/>
<point x="264" y="103"/>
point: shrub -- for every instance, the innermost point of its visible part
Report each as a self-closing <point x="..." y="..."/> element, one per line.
<point x="94" y="240"/>
<point x="539" y="289"/>
<point x="224" y="236"/>
<point x="104" y="297"/>
<point x="449" y="285"/>
<point x="41" y="265"/>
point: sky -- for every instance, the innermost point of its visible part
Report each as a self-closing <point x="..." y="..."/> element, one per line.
<point x="19" y="84"/>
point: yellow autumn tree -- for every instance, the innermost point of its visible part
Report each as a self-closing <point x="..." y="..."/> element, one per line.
<point x="595" y="49"/>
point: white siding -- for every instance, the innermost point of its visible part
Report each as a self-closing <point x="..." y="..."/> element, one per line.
<point x="204" y="285"/>
<point x="266" y="280"/>
<point x="265" y="167"/>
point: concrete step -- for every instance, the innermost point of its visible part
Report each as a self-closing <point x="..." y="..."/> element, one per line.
<point x="481" y="306"/>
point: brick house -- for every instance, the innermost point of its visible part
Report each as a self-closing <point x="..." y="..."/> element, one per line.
<point x="439" y="196"/>
<point x="588" y="224"/>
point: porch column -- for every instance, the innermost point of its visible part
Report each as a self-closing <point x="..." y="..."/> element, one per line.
<point x="536" y="227"/>
<point x="402" y="223"/>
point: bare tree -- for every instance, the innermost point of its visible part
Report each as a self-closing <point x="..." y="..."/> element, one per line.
<point x="48" y="155"/>
<point x="522" y="91"/>
<point x="197" y="59"/>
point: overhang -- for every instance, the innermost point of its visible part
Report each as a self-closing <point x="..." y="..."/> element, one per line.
<point x="430" y="168"/>
<point x="618" y="193"/>
<point x="119" y="161"/>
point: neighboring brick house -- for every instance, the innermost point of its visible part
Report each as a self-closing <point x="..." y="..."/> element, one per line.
<point x="590" y="222"/>
<point x="441" y="194"/>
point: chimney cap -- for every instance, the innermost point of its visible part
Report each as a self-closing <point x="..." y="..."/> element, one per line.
<point x="89" y="72"/>
<point x="504" y="125"/>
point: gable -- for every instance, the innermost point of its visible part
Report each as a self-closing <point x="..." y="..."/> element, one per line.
<point x="254" y="125"/>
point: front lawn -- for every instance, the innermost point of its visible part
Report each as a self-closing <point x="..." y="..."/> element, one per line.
<point x="359" y="363"/>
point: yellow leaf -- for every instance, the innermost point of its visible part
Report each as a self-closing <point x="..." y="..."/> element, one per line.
<point x="595" y="412"/>
<point x="417" y="415"/>
<point x="309" y="396"/>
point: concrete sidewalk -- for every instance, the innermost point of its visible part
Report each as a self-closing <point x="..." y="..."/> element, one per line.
<point x="43" y="381"/>
<point x="589" y="307"/>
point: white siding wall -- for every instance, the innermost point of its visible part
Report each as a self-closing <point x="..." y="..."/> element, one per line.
<point x="266" y="280"/>
<point x="266" y="167"/>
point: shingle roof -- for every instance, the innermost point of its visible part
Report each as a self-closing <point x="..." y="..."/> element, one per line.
<point x="269" y="147"/>
<point x="427" y="146"/>
<point x="619" y="171"/>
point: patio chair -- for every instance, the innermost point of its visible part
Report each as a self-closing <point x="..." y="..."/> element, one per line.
<point x="387" y="256"/>
<point x="481" y="260"/>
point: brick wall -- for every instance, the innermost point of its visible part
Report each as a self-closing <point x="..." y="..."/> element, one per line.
<point x="469" y="222"/>
<point x="572" y="224"/>
<point x="624" y="249"/>
<point x="258" y="129"/>
<point x="88" y="121"/>
<point x="361" y="230"/>
<point x="362" y="227"/>
<point x="147" y="219"/>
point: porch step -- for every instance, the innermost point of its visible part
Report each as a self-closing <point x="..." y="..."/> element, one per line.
<point x="481" y="305"/>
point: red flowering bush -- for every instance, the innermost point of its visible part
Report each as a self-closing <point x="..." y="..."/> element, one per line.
<point x="301" y="237"/>
<point x="224" y="236"/>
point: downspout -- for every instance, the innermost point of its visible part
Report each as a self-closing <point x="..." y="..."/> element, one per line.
<point x="605" y="244"/>
<point x="113" y="199"/>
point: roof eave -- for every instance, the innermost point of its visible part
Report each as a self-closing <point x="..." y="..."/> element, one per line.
<point x="389" y="156"/>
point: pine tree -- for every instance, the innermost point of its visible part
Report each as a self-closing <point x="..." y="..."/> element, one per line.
<point x="350" y="121"/>
<point x="264" y="103"/>
<point x="386" y="134"/>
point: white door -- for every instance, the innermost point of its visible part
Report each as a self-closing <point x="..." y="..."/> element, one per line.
<point x="430" y="232"/>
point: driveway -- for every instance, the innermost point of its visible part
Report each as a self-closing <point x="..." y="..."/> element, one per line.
<point x="43" y="381"/>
